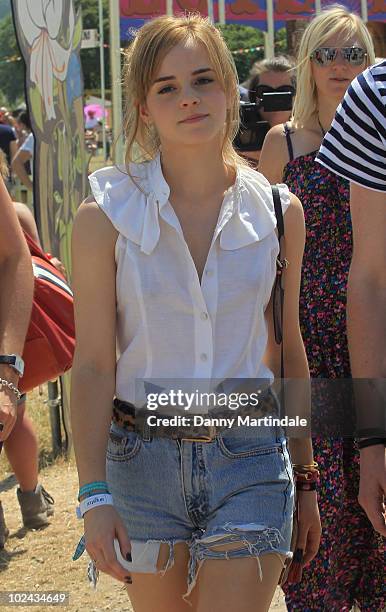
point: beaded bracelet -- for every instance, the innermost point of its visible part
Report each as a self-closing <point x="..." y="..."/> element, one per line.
<point x="92" y="492"/>
<point x="92" y="488"/>
<point x="93" y="484"/>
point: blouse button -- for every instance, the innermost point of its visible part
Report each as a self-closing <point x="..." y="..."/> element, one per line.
<point x="204" y="316"/>
<point x="203" y="357"/>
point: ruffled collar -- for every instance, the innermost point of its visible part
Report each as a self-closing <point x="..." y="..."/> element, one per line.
<point x="135" y="205"/>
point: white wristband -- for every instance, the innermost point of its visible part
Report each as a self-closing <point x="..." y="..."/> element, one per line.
<point x="103" y="499"/>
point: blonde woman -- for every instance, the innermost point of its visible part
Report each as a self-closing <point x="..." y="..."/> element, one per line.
<point x="183" y="250"/>
<point x="335" y="48"/>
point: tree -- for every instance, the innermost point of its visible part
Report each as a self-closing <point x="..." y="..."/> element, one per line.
<point x="11" y="70"/>
<point x="5" y="8"/>
<point x="90" y="57"/>
<point x="243" y="37"/>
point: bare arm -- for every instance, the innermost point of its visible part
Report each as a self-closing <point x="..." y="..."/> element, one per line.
<point x="16" y="287"/>
<point x="367" y="284"/>
<point x="274" y="155"/>
<point x="18" y="167"/>
<point x="297" y="391"/>
<point x="295" y="360"/>
<point x="93" y="374"/>
<point x="366" y="308"/>
<point x="27" y="221"/>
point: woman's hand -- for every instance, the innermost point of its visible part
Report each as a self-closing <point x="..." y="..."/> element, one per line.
<point x="309" y="532"/>
<point x="101" y="526"/>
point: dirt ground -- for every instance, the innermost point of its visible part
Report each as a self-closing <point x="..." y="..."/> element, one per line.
<point x="41" y="560"/>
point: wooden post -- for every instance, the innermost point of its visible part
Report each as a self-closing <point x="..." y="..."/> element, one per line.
<point x="269" y="36"/>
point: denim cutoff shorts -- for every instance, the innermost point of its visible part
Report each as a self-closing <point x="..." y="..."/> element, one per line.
<point x="236" y="489"/>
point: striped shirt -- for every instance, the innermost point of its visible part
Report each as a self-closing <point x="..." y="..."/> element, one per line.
<point x="355" y="145"/>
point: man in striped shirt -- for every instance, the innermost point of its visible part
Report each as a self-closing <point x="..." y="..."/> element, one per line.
<point x="355" y="148"/>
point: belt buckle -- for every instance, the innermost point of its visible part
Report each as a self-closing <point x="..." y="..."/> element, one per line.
<point x="202" y="439"/>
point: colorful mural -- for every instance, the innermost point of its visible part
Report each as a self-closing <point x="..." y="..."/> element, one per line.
<point x="247" y="12"/>
<point x="49" y="37"/>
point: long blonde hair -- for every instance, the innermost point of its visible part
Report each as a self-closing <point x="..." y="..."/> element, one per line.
<point x="336" y="19"/>
<point x="143" y="58"/>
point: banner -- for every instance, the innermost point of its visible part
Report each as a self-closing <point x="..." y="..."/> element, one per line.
<point x="134" y="13"/>
<point x="244" y="12"/>
<point x="247" y="12"/>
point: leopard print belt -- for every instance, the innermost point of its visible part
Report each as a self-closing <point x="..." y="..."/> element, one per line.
<point x="128" y="417"/>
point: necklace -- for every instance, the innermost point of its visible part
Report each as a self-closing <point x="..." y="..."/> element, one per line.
<point x="321" y="128"/>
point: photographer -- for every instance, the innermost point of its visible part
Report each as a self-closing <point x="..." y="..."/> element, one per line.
<point x="269" y="76"/>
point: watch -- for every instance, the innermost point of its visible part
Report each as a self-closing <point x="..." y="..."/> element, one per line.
<point x="14" y="361"/>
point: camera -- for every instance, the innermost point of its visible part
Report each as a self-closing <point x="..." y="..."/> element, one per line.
<point x="252" y="131"/>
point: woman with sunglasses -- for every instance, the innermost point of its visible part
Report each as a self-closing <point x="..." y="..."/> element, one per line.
<point x="335" y="48"/>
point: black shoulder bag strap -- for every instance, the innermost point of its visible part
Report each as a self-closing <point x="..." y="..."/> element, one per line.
<point x="278" y="301"/>
<point x="278" y="290"/>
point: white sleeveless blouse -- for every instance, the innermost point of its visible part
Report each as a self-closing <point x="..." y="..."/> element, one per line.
<point x="169" y="325"/>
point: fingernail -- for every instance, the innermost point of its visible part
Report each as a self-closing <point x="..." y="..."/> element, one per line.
<point x="128" y="557"/>
<point x="128" y="580"/>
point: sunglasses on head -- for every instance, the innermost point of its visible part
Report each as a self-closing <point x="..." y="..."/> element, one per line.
<point x="323" y="56"/>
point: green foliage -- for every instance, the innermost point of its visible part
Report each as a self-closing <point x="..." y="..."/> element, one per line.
<point x="243" y="37"/>
<point x="281" y="43"/>
<point x="5" y="8"/>
<point x="11" y="73"/>
<point x="90" y="57"/>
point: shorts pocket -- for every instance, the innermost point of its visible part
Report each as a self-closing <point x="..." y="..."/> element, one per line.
<point x="239" y="447"/>
<point x="122" y="445"/>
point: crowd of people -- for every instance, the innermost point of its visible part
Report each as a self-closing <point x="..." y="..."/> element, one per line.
<point x="185" y="239"/>
<point x="17" y="144"/>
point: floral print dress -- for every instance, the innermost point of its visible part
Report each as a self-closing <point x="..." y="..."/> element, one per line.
<point x="350" y="565"/>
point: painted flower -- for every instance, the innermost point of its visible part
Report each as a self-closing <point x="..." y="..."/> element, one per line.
<point x="40" y="21"/>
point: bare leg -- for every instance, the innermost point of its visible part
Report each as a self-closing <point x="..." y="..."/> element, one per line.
<point x="163" y="592"/>
<point x="234" y="584"/>
<point x="21" y="448"/>
<point x="222" y="584"/>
